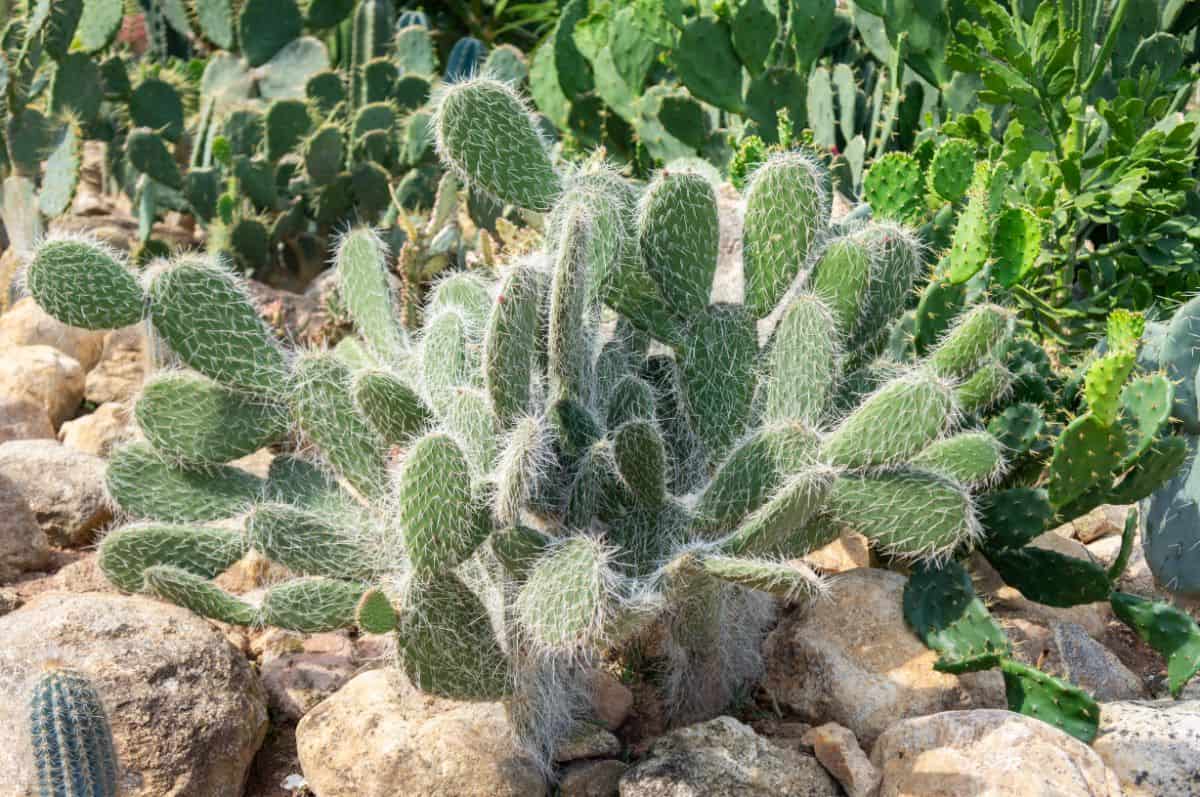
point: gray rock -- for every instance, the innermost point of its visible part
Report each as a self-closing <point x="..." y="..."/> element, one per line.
<point x="21" y="419"/>
<point x="297" y="680"/>
<point x="187" y="712"/>
<point x="587" y="741"/>
<point x="23" y="544"/>
<point x="64" y="488"/>
<point x="44" y="377"/>
<point x="591" y="778"/>
<point x="1090" y="665"/>
<point x="987" y="753"/>
<point x="724" y="758"/>
<point x="1152" y="746"/>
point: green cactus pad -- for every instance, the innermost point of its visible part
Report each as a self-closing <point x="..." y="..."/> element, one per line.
<point x="784" y="526"/>
<point x="449" y="360"/>
<point x="1170" y="631"/>
<point x="362" y="271"/>
<point x="204" y="551"/>
<point x="786" y="210"/>
<point x="324" y="153"/>
<point x="990" y="382"/>
<point x="84" y="284"/>
<point x="76" y="89"/>
<point x="791" y="581"/>
<point x="69" y="737"/>
<point x="446" y="644"/>
<point x="293" y="480"/>
<point x="841" y="278"/>
<point x="193" y="420"/>
<point x="309" y="543"/>
<point x="1050" y="577"/>
<point x="375" y="613"/>
<point x="198" y="595"/>
<point x="678" y="232"/>
<point x="324" y="408"/>
<point x="215" y="20"/>
<point x="895" y="263"/>
<point x="571" y="323"/>
<point x="1088" y="451"/>
<point x="893" y="424"/>
<point x="1016" y="244"/>
<point x="379" y="80"/>
<point x="464" y="293"/>
<point x="509" y="345"/>
<point x="156" y="105"/>
<point x="145" y="486"/>
<point x="208" y="320"/>
<point x="486" y="135"/>
<point x="972" y="240"/>
<point x="467" y="414"/>
<point x="632" y="399"/>
<point x="1104" y="381"/>
<point x="596" y="489"/>
<point x="641" y="460"/>
<point x="1036" y="694"/>
<point x="1147" y="473"/>
<point x="977" y="334"/>
<point x="803" y="363"/>
<point x="566" y="600"/>
<point x="518" y="548"/>
<point x="940" y="605"/>
<point x="577" y="430"/>
<point x="907" y="513"/>
<point x="148" y="154"/>
<point x="718" y="368"/>
<point x="311" y="605"/>
<point x="1145" y="410"/>
<point x="951" y="169"/>
<point x="1013" y="518"/>
<point x="390" y="406"/>
<point x="266" y="26"/>
<point x="287" y="123"/>
<point x="325" y="90"/>
<point x="972" y="458"/>
<point x="895" y="189"/>
<point x="441" y="523"/>
<point x="99" y="24"/>
<point x="940" y="303"/>
<point x="1018" y="427"/>
<point x="415" y="52"/>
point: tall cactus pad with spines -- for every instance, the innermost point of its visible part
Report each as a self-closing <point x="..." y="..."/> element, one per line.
<point x="805" y="360"/>
<point x="510" y="344"/>
<point x="972" y="240"/>
<point x="311" y="605"/>
<point x="722" y="340"/>
<point x="841" y="278"/>
<point x="311" y="543"/>
<point x="85" y="284"/>
<point x="71" y="739"/>
<point x="893" y="424"/>
<point x="394" y="409"/>
<point x="146" y="486"/>
<point x="370" y="300"/>
<point x="127" y="552"/>
<point x="973" y="458"/>
<point x="486" y="135"/>
<point x="566" y="599"/>
<point x="198" y="594"/>
<point x="977" y="334"/>
<point x="678" y="232"/>
<point x="442" y="524"/>
<point x="786" y="210"/>
<point x="951" y="169"/>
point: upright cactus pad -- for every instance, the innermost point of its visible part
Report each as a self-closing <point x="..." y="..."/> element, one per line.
<point x="678" y="232"/>
<point x="72" y="742"/>
<point x="85" y="284"/>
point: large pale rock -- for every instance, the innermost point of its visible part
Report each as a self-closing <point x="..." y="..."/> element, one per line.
<point x="64" y="487"/>
<point x="854" y="661"/>
<point x="187" y="713"/>
<point x="378" y="736"/>
<point x="724" y="758"/>
<point x="1153" y="747"/>
<point x="1067" y="651"/>
<point x="44" y="377"/>
<point x="22" y="419"/>
<point x="987" y="753"/>
<point x="23" y="544"/>
<point x="98" y="432"/>
<point x="122" y="367"/>
<point x="26" y="324"/>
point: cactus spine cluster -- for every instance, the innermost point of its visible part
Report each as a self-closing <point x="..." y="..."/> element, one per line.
<point x="567" y="455"/>
<point x="71" y="740"/>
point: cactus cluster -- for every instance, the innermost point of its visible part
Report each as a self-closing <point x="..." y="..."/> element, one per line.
<point x="70" y="738"/>
<point x="581" y="449"/>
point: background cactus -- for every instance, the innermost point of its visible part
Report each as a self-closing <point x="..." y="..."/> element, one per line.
<point x="72" y="743"/>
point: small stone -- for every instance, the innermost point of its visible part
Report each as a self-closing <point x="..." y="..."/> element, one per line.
<point x="64" y="488"/>
<point x="611" y="700"/>
<point x="1136" y="578"/>
<point x="44" y="377"/>
<point x="298" y="681"/>
<point x="724" y="758"/>
<point x="588" y="741"/>
<point x="838" y="751"/>
<point x="26" y="324"/>
<point x="23" y="545"/>
<point x="21" y="419"/>
<point x="1103" y="521"/>
<point x="987" y="753"/>
<point x="1152" y="746"/>
<point x="592" y="778"/>
<point x="122" y="367"/>
<point x="848" y="552"/>
<point x="9" y="601"/>
<point x="253" y="571"/>
<point x="98" y="432"/>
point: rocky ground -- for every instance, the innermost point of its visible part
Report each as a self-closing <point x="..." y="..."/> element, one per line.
<point x="850" y="703"/>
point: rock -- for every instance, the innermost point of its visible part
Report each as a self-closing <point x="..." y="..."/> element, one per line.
<point x="848" y="552"/>
<point x="588" y="741"/>
<point x="64" y="487"/>
<point x="1152" y="746"/>
<point x="297" y="681"/>
<point x="98" y="432"/>
<point x="22" y="419"/>
<point x="378" y="734"/>
<point x="253" y="571"/>
<point x="611" y="700"/>
<point x="9" y="601"/>
<point x="1005" y="601"/>
<point x="838" y="751"/>
<point x="1136" y="578"/>
<point x="1103" y="521"/>
<point x="724" y="758"/>
<point x="84" y="575"/>
<point x="44" y="377"/>
<point x="23" y="544"/>
<point x="186" y="711"/>
<point x="26" y="324"/>
<point x="591" y="778"/>
<point x="728" y="280"/>
<point x="1066" y="651"/>
<point x="853" y="660"/>
<point x="987" y="753"/>
<point x="122" y="367"/>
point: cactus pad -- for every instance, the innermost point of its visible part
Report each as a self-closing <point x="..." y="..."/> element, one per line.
<point x="85" y="284"/>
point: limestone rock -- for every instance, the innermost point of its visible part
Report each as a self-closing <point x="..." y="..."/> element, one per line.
<point x="853" y="660"/>
<point x="378" y="735"/>
<point x="44" y="377"/>
<point x="122" y="367"/>
<point x="848" y="552"/>
<point x="987" y="753"/>
<point x="1152" y="746"/>
<point x="22" y="419"/>
<point x="23" y="544"/>
<point x="588" y="741"/>
<point x="838" y="751"/>
<point x="724" y="758"/>
<point x="64" y="488"/>
<point x="26" y="324"/>
<point x="591" y="778"/>
<point x="187" y="712"/>
<point x="98" y="432"/>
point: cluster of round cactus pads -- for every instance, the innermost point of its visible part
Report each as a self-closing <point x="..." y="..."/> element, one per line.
<point x="584" y="447"/>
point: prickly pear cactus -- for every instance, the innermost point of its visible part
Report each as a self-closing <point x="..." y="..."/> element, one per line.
<point x="72" y="743"/>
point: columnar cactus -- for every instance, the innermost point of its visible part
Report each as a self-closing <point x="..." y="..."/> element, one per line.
<point x="526" y="485"/>
<point x="72" y="743"/>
